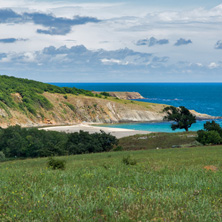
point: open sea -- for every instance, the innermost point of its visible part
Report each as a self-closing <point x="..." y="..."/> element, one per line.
<point x="201" y="97"/>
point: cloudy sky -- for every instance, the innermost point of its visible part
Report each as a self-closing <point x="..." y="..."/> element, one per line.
<point x="112" y="41"/>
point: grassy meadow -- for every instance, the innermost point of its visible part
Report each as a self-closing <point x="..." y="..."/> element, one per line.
<point x="164" y="185"/>
<point x="160" y="140"/>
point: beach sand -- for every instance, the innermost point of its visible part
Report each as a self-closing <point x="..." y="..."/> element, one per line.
<point x="117" y="132"/>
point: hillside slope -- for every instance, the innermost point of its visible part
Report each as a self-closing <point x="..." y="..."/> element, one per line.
<point x="30" y="103"/>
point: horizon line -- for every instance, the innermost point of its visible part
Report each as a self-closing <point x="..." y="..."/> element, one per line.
<point x="128" y="82"/>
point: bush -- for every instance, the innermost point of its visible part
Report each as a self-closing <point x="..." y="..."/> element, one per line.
<point x="209" y="137"/>
<point x="105" y="94"/>
<point x="129" y="160"/>
<point x="118" y="148"/>
<point x="56" y="164"/>
<point x="213" y="126"/>
<point x="2" y="156"/>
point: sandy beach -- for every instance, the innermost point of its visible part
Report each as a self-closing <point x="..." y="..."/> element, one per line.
<point x="117" y="132"/>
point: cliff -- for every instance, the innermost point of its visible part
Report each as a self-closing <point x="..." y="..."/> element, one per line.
<point x="125" y="95"/>
<point x="77" y="109"/>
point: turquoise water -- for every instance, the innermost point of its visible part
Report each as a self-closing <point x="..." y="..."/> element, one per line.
<point x="202" y="97"/>
<point x="157" y="126"/>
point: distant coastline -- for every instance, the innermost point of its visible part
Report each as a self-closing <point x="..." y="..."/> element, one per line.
<point x="201" y="97"/>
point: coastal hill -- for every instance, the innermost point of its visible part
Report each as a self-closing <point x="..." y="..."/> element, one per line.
<point x="31" y="103"/>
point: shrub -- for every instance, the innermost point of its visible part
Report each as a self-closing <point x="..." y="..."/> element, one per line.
<point x="209" y="137"/>
<point x="118" y="148"/>
<point x="105" y="94"/>
<point x="129" y="160"/>
<point x="210" y="126"/>
<point x="2" y="156"/>
<point x="56" y="164"/>
<point x="70" y="106"/>
<point x="65" y="97"/>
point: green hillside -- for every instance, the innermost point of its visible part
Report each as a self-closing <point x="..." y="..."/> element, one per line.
<point x="31" y="94"/>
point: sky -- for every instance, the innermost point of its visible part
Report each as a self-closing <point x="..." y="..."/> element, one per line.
<point x="111" y="41"/>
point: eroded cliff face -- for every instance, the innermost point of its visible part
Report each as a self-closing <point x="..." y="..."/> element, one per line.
<point x="77" y="109"/>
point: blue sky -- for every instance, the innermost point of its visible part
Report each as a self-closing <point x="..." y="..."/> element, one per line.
<point x="112" y="41"/>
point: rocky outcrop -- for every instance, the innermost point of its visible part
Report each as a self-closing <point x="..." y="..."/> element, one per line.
<point x="125" y="95"/>
<point x="202" y="116"/>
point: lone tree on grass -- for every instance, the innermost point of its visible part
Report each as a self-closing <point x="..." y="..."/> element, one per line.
<point x="181" y="116"/>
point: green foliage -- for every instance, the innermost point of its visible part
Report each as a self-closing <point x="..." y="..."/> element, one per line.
<point x="70" y="106"/>
<point x="118" y="148"/>
<point x="209" y="137"/>
<point x="105" y="94"/>
<point x="84" y="142"/>
<point x="30" y="92"/>
<point x="129" y="160"/>
<point x="212" y="133"/>
<point x="21" y="142"/>
<point x="65" y="97"/>
<point x="181" y="116"/>
<point x="95" y="105"/>
<point x="209" y="126"/>
<point x="56" y="164"/>
<point x="2" y="156"/>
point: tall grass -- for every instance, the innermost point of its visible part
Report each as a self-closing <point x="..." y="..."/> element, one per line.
<point x="164" y="185"/>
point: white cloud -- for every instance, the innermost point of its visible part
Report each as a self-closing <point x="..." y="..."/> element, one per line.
<point x="122" y="26"/>
<point x="111" y="61"/>
<point x="213" y="65"/>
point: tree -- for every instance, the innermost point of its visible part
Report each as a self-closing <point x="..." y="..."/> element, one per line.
<point x="210" y="126"/>
<point x="181" y="116"/>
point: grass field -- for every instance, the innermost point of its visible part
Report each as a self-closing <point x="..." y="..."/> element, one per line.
<point x="160" y="140"/>
<point x="164" y="185"/>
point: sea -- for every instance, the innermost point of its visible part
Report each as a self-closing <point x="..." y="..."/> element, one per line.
<point x="201" y="97"/>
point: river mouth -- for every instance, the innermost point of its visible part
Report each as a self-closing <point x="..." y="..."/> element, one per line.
<point x="158" y="126"/>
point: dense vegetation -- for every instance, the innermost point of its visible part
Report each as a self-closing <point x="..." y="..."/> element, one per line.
<point x="21" y="142"/>
<point x="31" y="94"/>
<point x="164" y="185"/>
<point x="212" y="133"/>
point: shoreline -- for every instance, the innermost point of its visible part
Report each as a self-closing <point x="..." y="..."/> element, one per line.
<point x="117" y="132"/>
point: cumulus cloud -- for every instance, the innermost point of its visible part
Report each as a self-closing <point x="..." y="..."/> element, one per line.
<point x="218" y="45"/>
<point x="54" y="25"/>
<point x="213" y="65"/>
<point x="81" y="57"/>
<point x="11" y="40"/>
<point x="182" y="41"/>
<point x="152" y="41"/>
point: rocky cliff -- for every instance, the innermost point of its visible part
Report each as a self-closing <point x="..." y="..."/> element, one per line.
<point x="76" y="109"/>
